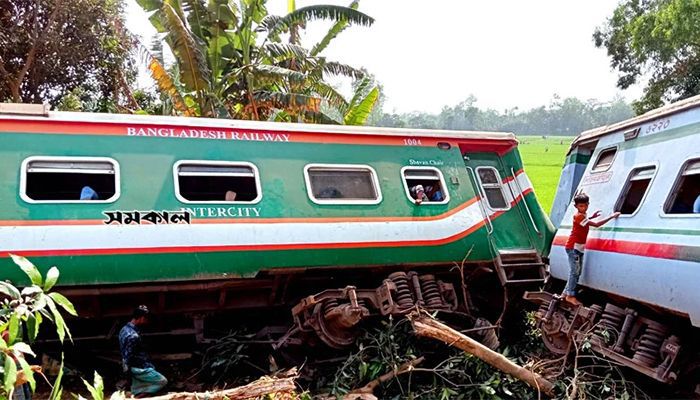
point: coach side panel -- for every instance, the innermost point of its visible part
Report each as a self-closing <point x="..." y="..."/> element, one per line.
<point x="285" y="228"/>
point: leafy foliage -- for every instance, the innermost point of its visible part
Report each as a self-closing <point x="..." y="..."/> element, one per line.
<point x="568" y="116"/>
<point x="21" y="314"/>
<point x="449" y="373"/>
<point x="48" y="48"/>
<point x="655" y="38"/>
<point x="96" y="389"/>
<point x="233" y="61"/>
<point x="362" y="103"/>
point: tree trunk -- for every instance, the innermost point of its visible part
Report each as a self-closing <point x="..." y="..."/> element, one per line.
<point x="14" y="89"/>
<point x="427" y="326"/>
<point x="261" y="387"/>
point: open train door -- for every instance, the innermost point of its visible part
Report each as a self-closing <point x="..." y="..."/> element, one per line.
<point x="509" y="221"/>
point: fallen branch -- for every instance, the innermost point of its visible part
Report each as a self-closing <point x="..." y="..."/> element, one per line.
<point x="425" y="325"/>
<point x="372" y="385"/>
<point x="261" y="387"/>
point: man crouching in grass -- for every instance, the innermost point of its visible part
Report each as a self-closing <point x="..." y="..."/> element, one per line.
<point x="145" y="380"/>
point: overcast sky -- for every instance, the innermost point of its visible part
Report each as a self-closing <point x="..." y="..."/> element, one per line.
<point x="428" y="54"/>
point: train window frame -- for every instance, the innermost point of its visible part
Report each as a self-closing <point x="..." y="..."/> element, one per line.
<point x="253" y="167"/>
<point x="349" y="167"/>
<point x="671" y="196"/>
<point x="77" y="159"/>
<point x="441" y="178"/>
<point x="600" y="155"/>
<point x="500" y="185"/>
<point x="628" y="180"/>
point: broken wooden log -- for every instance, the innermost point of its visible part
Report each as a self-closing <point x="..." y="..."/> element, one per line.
<point x="368" y="389"/>
<point x="425" y="325"/>
<point x="261" y="387"/>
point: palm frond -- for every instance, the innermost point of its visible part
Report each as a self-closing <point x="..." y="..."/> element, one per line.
<point x="324" y="12"/>
<point x="272" y="71"/>
<point x="222" y="16"/>
<point x="253" y="10"/>
<point x="319" y="118"/>
<point x="156" y="49"/>
<point x="280" y="116"/>
<point x="332" y="33"/>
<point x="330" y="95"/>
<point x="166" y="85"/>
<point x="339" y="69"/>
<point x="150" y="5"/>
<point x="293" y="103"/>
<point x="194" y="72"/>
<point x="268" y="23"/>
<point x="154" y="8"/>
<point x="197" y="17"/>
<point x="285" y="51"/>
<point x="223" y="12"/>
<point x="361" y="107"/>
<point x="361" y="89"/>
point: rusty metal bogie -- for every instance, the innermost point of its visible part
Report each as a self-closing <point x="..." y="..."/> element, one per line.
<point x="620" y="334"/>
<point x="333" y="314"/>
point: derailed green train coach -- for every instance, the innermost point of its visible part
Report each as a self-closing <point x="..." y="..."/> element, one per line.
<point x="195" y="215"/>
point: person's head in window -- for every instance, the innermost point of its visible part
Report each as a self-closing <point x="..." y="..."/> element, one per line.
<point x="88" y="193"/>
<point x="418" y="193"/>
<point x="230" y="195"/>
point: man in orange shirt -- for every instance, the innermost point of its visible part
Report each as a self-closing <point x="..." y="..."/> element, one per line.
<point x="577" y="243"/>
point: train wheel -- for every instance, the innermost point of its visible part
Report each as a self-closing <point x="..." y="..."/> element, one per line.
<point x="553" y="336"/>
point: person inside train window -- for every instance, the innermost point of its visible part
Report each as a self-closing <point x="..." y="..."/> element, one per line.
<point x="330" y="193"/>
<point x="230" y="195"/>
<point x="88" y="193"/>
<point x="576" y="243"/>
<point x="434" y="193"/>
<point x="696" y="205"/>
<point x="424" y="185"/>
<point x="418" y="194"/>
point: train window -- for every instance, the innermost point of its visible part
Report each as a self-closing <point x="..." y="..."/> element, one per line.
<point x="492" y="186"/>
<point x="426" y="183"/>
<point x="635" y="189"/>
<point x="685" y="196"/>
<point x="69" y="180"/>
<point x="342" y="184"/>
<point x="217" y="182"/>
<point x="604" y="160"/>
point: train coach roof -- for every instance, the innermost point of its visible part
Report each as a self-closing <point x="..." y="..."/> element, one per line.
<point x="16" y="113"/>
<point x="673" y="108"/>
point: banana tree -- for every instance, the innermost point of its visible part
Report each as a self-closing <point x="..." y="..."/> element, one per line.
<point x="233" y="62"/>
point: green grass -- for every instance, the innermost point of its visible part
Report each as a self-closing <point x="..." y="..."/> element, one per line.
<point x="543" y="159"/>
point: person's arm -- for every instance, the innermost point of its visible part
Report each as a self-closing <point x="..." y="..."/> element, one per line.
<point x="604" y="220"/>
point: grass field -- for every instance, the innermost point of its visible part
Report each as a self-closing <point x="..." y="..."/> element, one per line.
<point x="543" y="159"/>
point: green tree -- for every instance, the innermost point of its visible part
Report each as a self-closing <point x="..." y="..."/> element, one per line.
<point x="659" y="39"/>
<point x="232" y="60"/>
<point x="50" y="47"/>
<point x="21" y="315"/>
